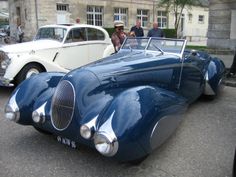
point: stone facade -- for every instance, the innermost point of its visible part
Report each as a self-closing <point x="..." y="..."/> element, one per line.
<point x="222" y="24"/>
<point x="35" y="13"/>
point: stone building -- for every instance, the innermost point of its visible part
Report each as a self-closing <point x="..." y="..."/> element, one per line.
<point x="222" y="24"/>
<point x="35" y="13"/>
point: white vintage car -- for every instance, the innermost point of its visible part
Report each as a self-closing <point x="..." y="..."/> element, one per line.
<point x="54" y="48"/>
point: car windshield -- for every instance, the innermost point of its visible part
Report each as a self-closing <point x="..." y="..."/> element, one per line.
<point x="155" y="44"/>
<point x="54" y="33"/>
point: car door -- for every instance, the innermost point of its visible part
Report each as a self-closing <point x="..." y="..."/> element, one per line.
<point x="74" y="52"/>
<point x="97" y="43"/>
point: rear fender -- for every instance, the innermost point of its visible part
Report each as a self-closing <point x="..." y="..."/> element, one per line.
<point x="213" y="77"/>
<point x="26" y="93"/>
<point x="134" y="116"/>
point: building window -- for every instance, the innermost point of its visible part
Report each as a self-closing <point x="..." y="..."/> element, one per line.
<point x="121" y="14"/>
<point x="190" y="18"/>
<point x="142" y="15"/>
<point x="201" y="19"/>
<point x="95" y="15"/>
<point x="63" y="7"/>
<point x="162" y="19"/>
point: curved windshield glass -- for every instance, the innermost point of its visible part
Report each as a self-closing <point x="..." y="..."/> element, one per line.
<point x="163" y="45"/>
<point x="54" y="33"/>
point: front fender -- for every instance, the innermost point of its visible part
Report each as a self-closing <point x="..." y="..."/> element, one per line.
<point x="134" y="115"/>
<point x="18" y="63"/>
<point x="26" y="94"/>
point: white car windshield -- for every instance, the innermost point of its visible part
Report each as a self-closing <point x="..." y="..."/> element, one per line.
<point x="54" y="33"/>
<point x="164" y="45"/>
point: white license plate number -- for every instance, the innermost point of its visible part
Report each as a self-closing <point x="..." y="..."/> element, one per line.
<point x="66" y="141"/>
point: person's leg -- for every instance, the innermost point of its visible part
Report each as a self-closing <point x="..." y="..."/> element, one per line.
<point x="233" y="66"/>
<point x="232" y="70"/>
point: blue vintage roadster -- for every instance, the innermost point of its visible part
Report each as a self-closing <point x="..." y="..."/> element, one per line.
<point x="125" y="105"/>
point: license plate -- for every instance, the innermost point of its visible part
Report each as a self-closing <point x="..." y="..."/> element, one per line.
<point x="66" y="141"/>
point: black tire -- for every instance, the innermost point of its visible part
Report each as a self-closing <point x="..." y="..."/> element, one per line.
<point x="43" y="131"/>
<point x="28" y="71"/>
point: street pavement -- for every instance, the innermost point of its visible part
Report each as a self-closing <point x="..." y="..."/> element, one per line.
<point x="202" y="146"/>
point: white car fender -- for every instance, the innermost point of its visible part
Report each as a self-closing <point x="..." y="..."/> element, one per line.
<point x="18" y="63"/>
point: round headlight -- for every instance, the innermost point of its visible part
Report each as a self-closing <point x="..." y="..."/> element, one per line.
<point x="11" y="113"/>
<point x="104" y="145"/>
<point x="37" y="117"/>
<point x="5" y="63"/>
<point x="85" y="132"/>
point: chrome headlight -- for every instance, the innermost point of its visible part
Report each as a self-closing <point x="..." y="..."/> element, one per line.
<point x="38" y="117"/>
<point x="105" y="145"/>
<point x="85" y="132"/>
<point x="5" y="63"/>
<point x="12" y="113"/>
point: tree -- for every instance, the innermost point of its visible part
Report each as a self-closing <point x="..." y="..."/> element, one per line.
<point x="178" y="6"/>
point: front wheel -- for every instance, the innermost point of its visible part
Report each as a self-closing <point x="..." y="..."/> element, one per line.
<point x="28" y="71"/>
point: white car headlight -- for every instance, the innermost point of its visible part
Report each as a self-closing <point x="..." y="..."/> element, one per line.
<point x="12" y="113"/>
<point x="85" y="132"/>
<point x="105" y="145"/>
<point x="5" y="63"/>
<point x="38" y="117"/>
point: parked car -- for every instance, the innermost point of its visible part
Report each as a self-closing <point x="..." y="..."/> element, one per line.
<point x="54" y="48"/>
<point x="125" y="105"/>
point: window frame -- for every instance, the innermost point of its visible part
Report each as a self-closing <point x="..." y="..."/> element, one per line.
<point x="94" y="14"/>
<point x="120" y="14"/>
<point x="63" y="7"/>
<point x="202" y="17"/>
<point x="162" y="17"/>
<point x="142" y="15"/>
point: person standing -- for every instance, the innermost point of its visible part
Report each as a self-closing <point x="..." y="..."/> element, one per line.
<point x="155" y="31"/>
<point x="118" y="36"/>
<point x="232" y="71"/>
<point x="137" y="29"/>
<point x="20" y="33"/>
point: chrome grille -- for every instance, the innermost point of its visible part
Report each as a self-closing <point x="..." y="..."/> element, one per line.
<point x="62" y="107"/>
<point x="2" y="57"/>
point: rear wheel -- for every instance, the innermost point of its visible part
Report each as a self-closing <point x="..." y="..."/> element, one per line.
<point x="28" y="71"/>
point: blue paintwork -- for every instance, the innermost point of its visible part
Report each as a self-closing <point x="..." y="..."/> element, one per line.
<point x="139" y="88"/>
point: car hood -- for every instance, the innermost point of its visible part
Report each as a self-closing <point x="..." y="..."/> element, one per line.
<point x="28" y="46"/>
<point x="130" y="62"/>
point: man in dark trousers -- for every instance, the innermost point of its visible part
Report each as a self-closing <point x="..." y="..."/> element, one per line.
<point x="155" y="31"/>
<point x="232" y="71"/>
<point x="137" y="29"/>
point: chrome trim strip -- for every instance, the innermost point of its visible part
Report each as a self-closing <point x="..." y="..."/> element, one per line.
<point x="14" y="105"/>
<point x="208" y="90"/>
<point x="92" y="123"/>
<point x="107" y="128"/>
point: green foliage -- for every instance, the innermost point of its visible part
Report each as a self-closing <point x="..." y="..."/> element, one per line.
<point x="204" y="48"/>
<point x="110" y="31"/>
<point x="170" y="33"/>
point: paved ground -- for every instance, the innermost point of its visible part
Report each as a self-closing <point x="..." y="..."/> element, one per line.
<point x="202" y="146"/>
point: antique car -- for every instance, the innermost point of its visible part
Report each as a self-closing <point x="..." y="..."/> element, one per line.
<point x="54" y="48"/>
<point x="124" y="105"/>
